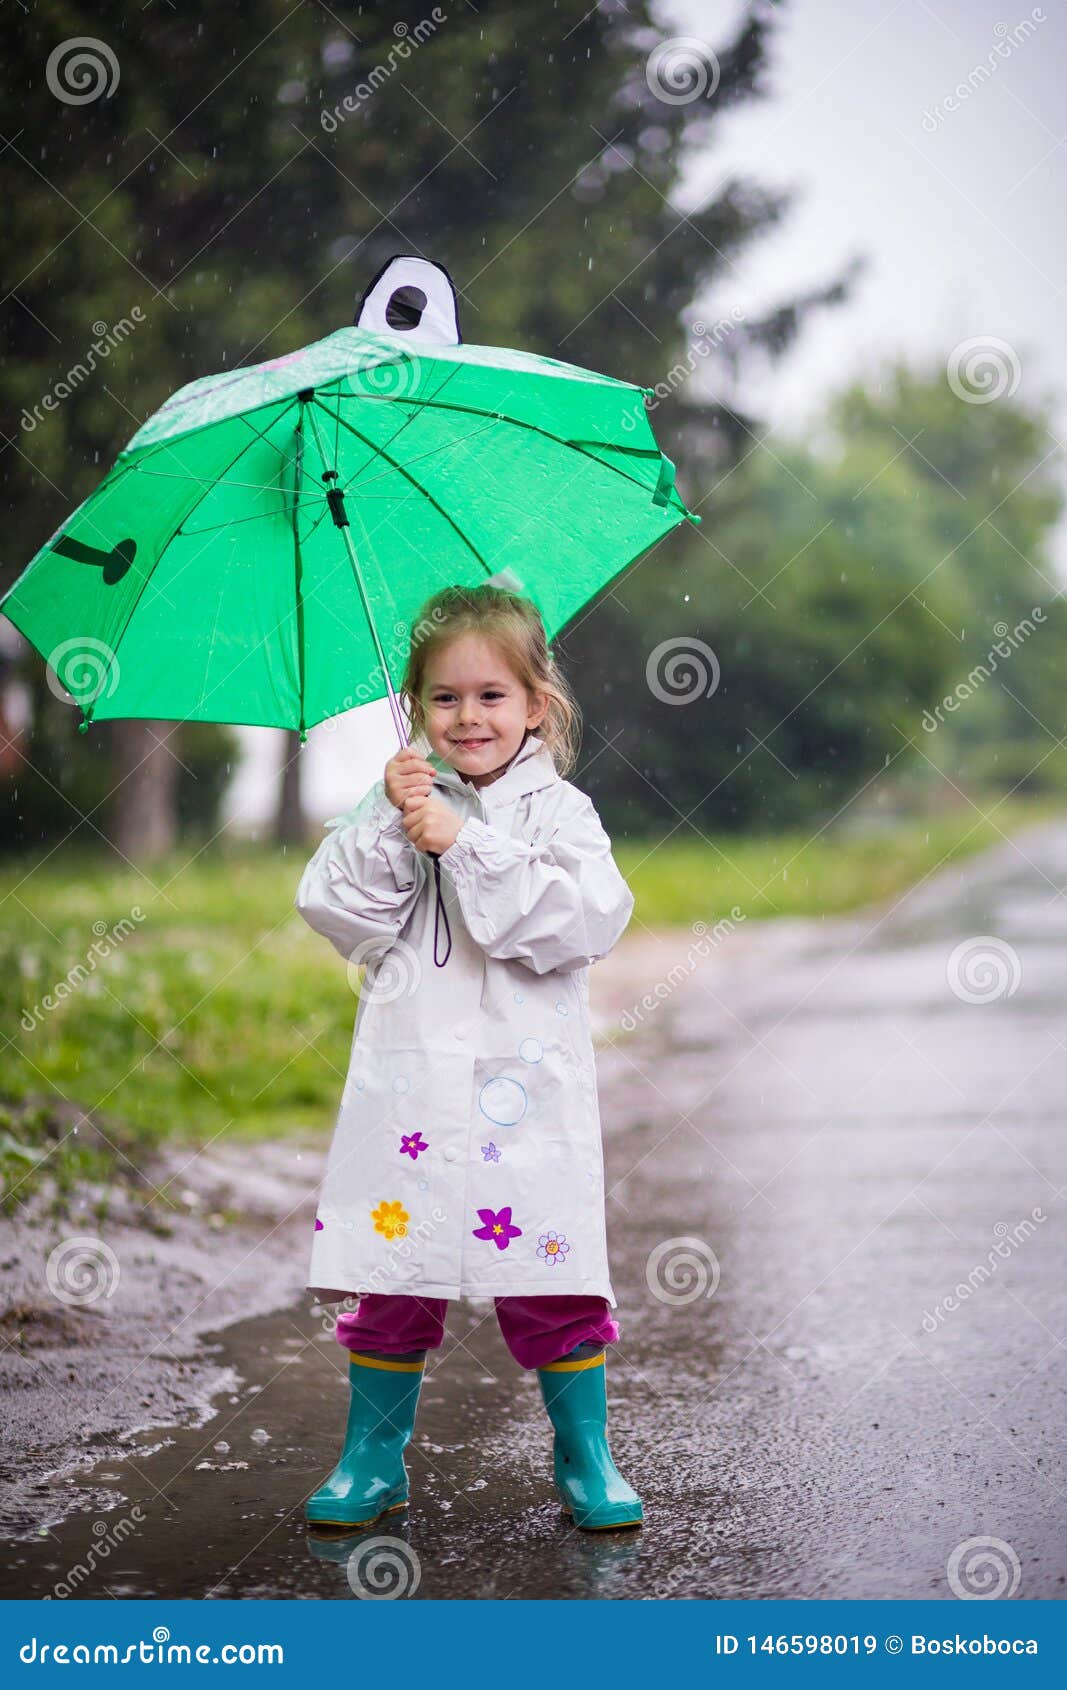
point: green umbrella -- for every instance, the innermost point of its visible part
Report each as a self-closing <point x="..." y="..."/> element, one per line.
<point x="271" y="530"/>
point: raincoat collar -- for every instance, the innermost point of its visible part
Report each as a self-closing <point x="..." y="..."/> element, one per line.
<point x="531" y="768"/>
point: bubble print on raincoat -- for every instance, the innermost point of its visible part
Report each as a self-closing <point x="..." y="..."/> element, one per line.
<point x="469" y="1128"/>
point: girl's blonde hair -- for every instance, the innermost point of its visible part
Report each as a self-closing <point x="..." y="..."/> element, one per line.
<point x="513" y="624"/>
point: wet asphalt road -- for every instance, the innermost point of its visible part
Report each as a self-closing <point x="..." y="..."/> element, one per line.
<point x="846" y="1121"/>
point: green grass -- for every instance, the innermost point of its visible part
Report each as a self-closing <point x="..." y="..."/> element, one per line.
<point x="219" y="1013"/>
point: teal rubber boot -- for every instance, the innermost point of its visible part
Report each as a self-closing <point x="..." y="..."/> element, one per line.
<point x="370" y="1479"/>
<point x="590" y="1486"/>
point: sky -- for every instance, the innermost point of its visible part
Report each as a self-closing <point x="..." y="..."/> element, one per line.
<point x="927" y="138"/>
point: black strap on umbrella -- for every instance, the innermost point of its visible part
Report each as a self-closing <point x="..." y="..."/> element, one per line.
<point x="439" y="911"/>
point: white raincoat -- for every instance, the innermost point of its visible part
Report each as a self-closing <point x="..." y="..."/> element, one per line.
<point x="467" y="1157"/>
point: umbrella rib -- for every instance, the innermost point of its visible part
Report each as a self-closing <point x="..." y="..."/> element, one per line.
<point x="472" y="548"/>
<point x="214" y="481"/>
<point x="263" y="434"/>
<point x="220" y="480"/>
<point x="380" y="451"/>
<point x="260" y="516"/>
<point x="516" y="422"/>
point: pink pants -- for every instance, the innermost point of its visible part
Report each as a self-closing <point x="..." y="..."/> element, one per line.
<point x="536" y="1330"/>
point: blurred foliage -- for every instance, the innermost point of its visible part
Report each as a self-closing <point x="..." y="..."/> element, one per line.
<point x="843" y="588"/>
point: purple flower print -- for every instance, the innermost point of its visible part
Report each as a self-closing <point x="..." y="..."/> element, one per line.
<point x="490" y="1153"/>
<point x="552" y="1248"/>
<point x="318" y="1225"/>
<point x="496" y="1226"/>
<point x="412" y="1144"/>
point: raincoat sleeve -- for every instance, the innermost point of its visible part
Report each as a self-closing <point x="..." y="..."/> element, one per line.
<point x="558" y="904"/>
<point x="365" y="878"/>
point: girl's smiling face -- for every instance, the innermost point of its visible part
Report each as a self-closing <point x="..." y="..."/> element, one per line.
<point x="477" y="710"/>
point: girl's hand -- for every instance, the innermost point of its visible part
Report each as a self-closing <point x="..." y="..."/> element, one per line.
<point x="430" y="825"/>
<point x="408" y="775"/>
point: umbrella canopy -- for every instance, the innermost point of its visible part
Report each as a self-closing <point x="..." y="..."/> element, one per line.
<point x="261" y="547"/>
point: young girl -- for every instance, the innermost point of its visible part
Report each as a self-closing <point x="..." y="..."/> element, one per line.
<point x="467" y="1158"/>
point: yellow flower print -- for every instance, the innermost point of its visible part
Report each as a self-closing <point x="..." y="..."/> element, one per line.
<point x="390" y="1218"/>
